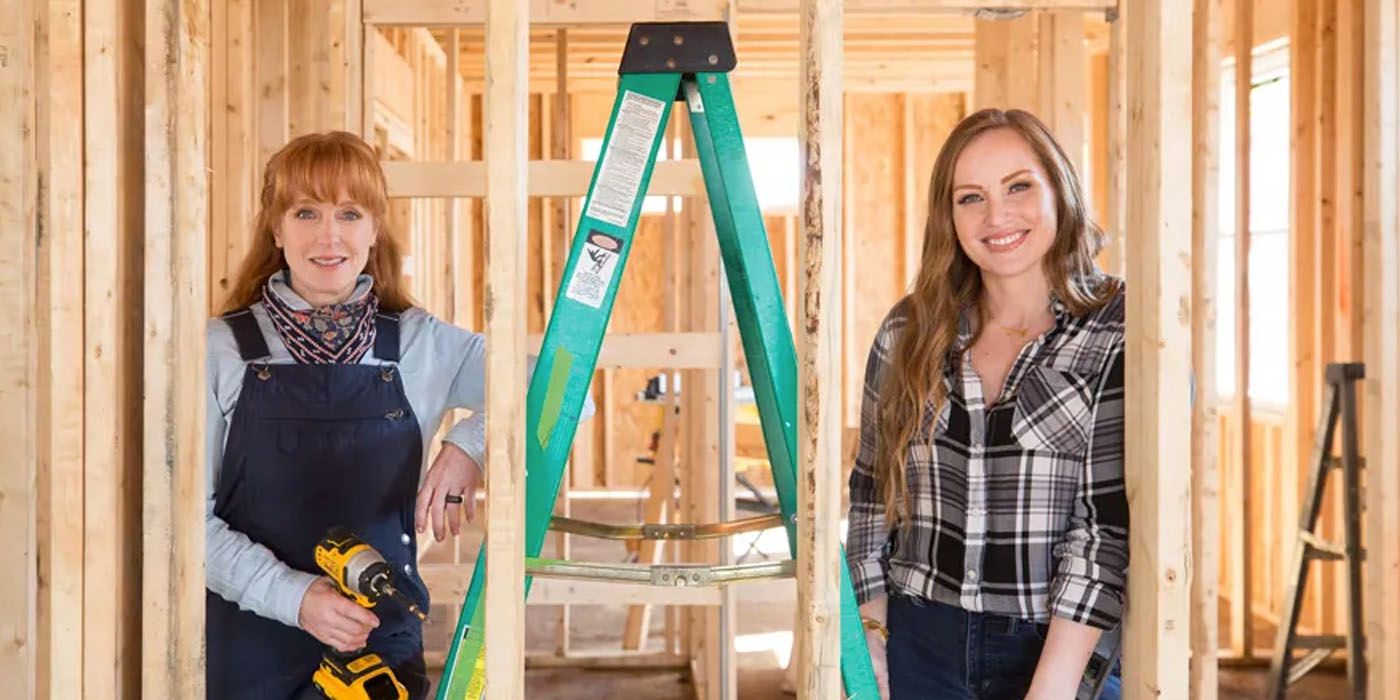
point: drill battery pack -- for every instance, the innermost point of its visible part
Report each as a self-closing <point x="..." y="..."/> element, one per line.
<point x="363" y="677"/>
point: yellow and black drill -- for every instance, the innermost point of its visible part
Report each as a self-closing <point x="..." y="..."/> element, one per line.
<point x="363" y="576"/>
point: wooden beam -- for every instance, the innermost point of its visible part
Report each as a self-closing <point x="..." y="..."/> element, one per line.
<point x="1157" y="644"/>
<point x="1063" y="94"/>
<point x="1116" y="224"/>
<point x="992" y="39"/>
<point x="597" y="659"/>
<point x="695" y="350"/>
<point x="595" y="12"/>
<point x="912" y="194"/>
<point x="556" y="244"/>
<point x="448" y="582"/>
<point x="176" y="227"/>
<point x="819" y="355"/>
<point x="1304" y="262"/>
<point x="507" y="36"/>
<point x="271" y="66"/>
<point x="59" y="237"/>
<point x="112" y="292"/>
<point x="1205" y="467"/>
<point x="18" y="350"/>
<point x="919" y="6"/>
<point x="545" y="178"/>
<point x="1382" y="336"/>
<point x="1242" y="599"/>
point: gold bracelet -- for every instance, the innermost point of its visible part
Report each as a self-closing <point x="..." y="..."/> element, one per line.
<point x="871" y="623"/>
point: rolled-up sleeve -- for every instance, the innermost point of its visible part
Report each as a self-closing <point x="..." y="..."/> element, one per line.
<point x="1091" y="575"/>
<point x="868" y="533"/>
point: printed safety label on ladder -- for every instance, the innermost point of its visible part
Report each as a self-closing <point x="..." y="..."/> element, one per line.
<point x="593" y="274"/>
<point x="620" y="174"/>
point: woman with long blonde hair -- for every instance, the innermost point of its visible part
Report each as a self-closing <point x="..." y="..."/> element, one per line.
<point x="326" y="386"/>
<point x="988" y="518"/>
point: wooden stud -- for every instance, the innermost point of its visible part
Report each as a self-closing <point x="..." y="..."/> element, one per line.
<point x="1063" y="98"/>
<point x="272" y="65"/>
<point x="459" y="244"/>
<point x="59" y="238"/>
<point x="1382" y="335"/>
<point x="1117" y="205"/>
<point x="176" y="226"/>
<point x="911" y="195"/>
<point x="556" y="242"/>
<point x="112" y="401"/>
<point x="1098" y="143"/>
<point x="507" y="34"/>
<point x="18" y="350"/>
<point x="1304" y="312"/>
<point x="1156" y="645"/>
<point x="354" y="67"/>
<point x="1350" y="185"/>
<point x="1242" y="598"/>
<point x="993" y="43"/>
<point x="818" y="352"/>
<point x="1205" y="471"/>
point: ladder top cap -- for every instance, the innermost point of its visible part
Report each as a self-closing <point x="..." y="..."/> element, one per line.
<point x="1343" y="371"/>
<point x="678" y="47"/>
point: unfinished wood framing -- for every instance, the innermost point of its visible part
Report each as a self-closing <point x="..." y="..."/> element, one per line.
<point x="59" y="237"/>
<point x="1242" y="597"/>
<point x="1063" y="92"/>
<point x="507" y="29"/>
<point x="1382" y="337"/>
<point x="1156" y="644"/>
<point x="176" y="227"/>
<point x="551" y="178"/>
<point x="819" y="396"/>
<point x="113" y="105"/>
<point x="1205" y="472"/>
<point x="586" y="12"/>
<point x="107" y="212"/>
<point x="18" y="350"/>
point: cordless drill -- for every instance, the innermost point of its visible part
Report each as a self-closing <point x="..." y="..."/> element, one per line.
<point x="362" y="575"/>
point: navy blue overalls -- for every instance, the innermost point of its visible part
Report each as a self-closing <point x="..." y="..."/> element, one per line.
<point x="312" y="446"/>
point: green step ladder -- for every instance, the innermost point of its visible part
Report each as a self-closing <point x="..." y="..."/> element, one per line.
<point x="662" y="63"/>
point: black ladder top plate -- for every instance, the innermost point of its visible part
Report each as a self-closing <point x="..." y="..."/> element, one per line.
<point x="678" y="47"/>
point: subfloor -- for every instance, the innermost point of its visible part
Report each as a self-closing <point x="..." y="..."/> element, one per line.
<point x="764" y="635"/>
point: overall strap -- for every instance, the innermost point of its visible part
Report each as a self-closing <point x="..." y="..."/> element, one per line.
<point x="251" y="345"/>
<point x="386" y="337"/>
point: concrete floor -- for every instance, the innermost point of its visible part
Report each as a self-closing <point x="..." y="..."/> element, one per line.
<point x="765" y="619"/>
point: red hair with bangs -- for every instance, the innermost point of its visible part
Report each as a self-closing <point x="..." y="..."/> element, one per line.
<point x="319" y="166"/>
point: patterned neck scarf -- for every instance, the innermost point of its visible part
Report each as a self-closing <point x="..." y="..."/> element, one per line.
<point x="333" y="334"/>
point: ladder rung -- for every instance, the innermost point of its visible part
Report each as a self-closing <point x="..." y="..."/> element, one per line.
<point x="661" y="575"/>
<point x="664" y="531"/>
<point x="1307" y="663"/>
<point x="1317" y="548"/>
<point x="1327" y="642"/>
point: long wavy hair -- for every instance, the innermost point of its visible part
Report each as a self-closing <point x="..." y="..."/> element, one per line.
<point x="949" y="282"/>
<point x="319" y="166"/>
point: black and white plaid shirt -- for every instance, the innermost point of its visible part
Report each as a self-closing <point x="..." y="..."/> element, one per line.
<point x="1018" y="508"/>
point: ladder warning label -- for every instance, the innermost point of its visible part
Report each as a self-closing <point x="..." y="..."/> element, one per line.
<point x="619" y="178"/>
<point x="594" y="270"/>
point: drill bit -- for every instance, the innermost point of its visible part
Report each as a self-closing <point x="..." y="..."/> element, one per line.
<point x="407" y="602"/>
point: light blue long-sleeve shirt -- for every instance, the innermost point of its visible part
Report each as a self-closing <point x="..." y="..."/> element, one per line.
<point x="443" y="368"/>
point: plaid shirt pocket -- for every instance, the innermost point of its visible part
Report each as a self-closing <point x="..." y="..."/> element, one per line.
<point x="1053" y="412"/>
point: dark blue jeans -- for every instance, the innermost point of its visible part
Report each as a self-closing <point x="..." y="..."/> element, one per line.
<point x="942" y="652"/>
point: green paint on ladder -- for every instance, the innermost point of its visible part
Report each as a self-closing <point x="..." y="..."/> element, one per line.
<point x="584" y="304"/>
<point x="554" y="396"/>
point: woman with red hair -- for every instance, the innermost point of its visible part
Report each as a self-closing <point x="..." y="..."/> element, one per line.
<point x="326" y="386"/>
